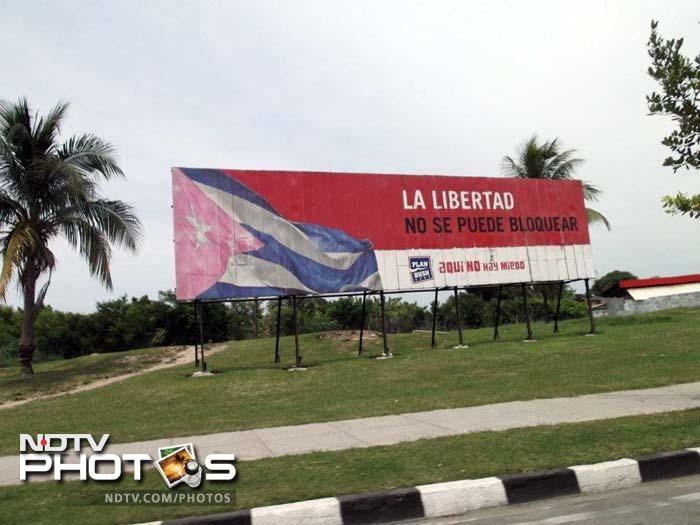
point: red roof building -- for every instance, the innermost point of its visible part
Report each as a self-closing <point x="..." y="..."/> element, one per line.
<point x="640" y="289"/>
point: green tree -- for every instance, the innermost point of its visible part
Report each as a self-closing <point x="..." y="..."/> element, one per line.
<point x="50" y="189"/>
<point x="610" y="279"/>
<point x="311" y="316"/>
<point x="403" y="316"/>
<point x="474" y="312"/>
<point x="548" y="161"/>
<point x="240" y="320"/>
<point x="679" y="79"/>
<point x="346" y="312"/>
<point x="9" y="334"/>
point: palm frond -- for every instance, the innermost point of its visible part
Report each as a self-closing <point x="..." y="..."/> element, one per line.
<point x="16" y="129"/>
<point x="591" y="192"/>
<point x="563" y="166"/>
<point x="595" y="217"/>
<point x="41" y="296"/>
<point x="46" y="129"/>
<point x="16" y="245"/>
<point x="510" y="168"/>
<point x="93" y="245"/>
<point x="13" y="113"/>
<point x="63" y="184"/>
<point x="550" y="148"/>
<point x="114" y="219"/>
<point x="10" y="210"/>
<point x="532" y="161"/>
<point x="92" y="156"/>
<point x="11" y="169"/>
<point x="16" y="145"/>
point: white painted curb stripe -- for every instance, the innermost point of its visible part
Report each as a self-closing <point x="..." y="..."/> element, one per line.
<point x="458" y="497"/>
<point x="313" y="512"/>
<point x="609" y="475"/>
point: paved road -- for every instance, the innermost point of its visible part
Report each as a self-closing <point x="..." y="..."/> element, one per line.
<point x="388" y="430"/>
<point x="671" y="502"/>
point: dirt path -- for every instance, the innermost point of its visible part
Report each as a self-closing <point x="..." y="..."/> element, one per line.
<point x="183" y="357"/>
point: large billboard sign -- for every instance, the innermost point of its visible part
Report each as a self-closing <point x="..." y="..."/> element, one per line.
<point x="242" y="234"/>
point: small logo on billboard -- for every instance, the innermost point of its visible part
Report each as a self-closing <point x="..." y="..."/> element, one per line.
<point x="421" y="269"/>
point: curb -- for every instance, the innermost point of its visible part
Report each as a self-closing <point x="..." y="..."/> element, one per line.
<point x="458" y="497"/>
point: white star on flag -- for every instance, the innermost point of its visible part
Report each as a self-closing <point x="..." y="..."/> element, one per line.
<point x="201" y="229"/>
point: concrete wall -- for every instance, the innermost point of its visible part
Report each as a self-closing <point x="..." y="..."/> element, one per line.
<point x="619" y="306"/>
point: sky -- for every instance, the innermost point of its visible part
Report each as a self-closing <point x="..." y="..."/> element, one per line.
<point x="432" y="87"/>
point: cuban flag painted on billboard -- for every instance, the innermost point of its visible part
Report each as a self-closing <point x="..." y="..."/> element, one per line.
<point x="231" y="243"/>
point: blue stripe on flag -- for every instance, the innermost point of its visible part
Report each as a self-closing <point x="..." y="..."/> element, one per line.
<point x="220" y="180"/>
<point x="332" y="240"/>
<point x="220" y="290"/>
<point x="314" y="275"/>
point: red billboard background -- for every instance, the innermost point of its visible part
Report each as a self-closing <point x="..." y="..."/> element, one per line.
<point x="371" y="206"/>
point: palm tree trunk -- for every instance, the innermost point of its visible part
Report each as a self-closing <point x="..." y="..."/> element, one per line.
<point x="27" y="338"/>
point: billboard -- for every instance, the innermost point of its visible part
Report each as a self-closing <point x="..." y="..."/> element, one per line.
<point x="243" y="234"/>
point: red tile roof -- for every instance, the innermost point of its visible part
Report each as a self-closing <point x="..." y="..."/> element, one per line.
<point x="660" y="281"/>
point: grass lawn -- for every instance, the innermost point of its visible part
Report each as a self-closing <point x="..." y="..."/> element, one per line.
<point x="252" y="392"/>
<point x="65" y="374"/>
<point x="294" y="478"/>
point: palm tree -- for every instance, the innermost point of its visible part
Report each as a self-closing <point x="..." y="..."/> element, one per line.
<point x="546" y="161"/>
<point x="50" y="189"/>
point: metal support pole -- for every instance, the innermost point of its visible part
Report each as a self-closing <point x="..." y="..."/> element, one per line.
<point x="527" y="313"/>
<point x="196" y="339"/>
<point x="201" y="337"/>
<point x="362" y="322"/>
<point x="386" y="344"/>
<point x="297" y="357"/>
<point x="459" y="318"/>
<point x="277" y="338"/>
<point x="590" y="308"/>
<point x="498" y="314"/>
<point x="255" y="317"/>
<point x="556" y="315"/>
<point x="435" y="307"/>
